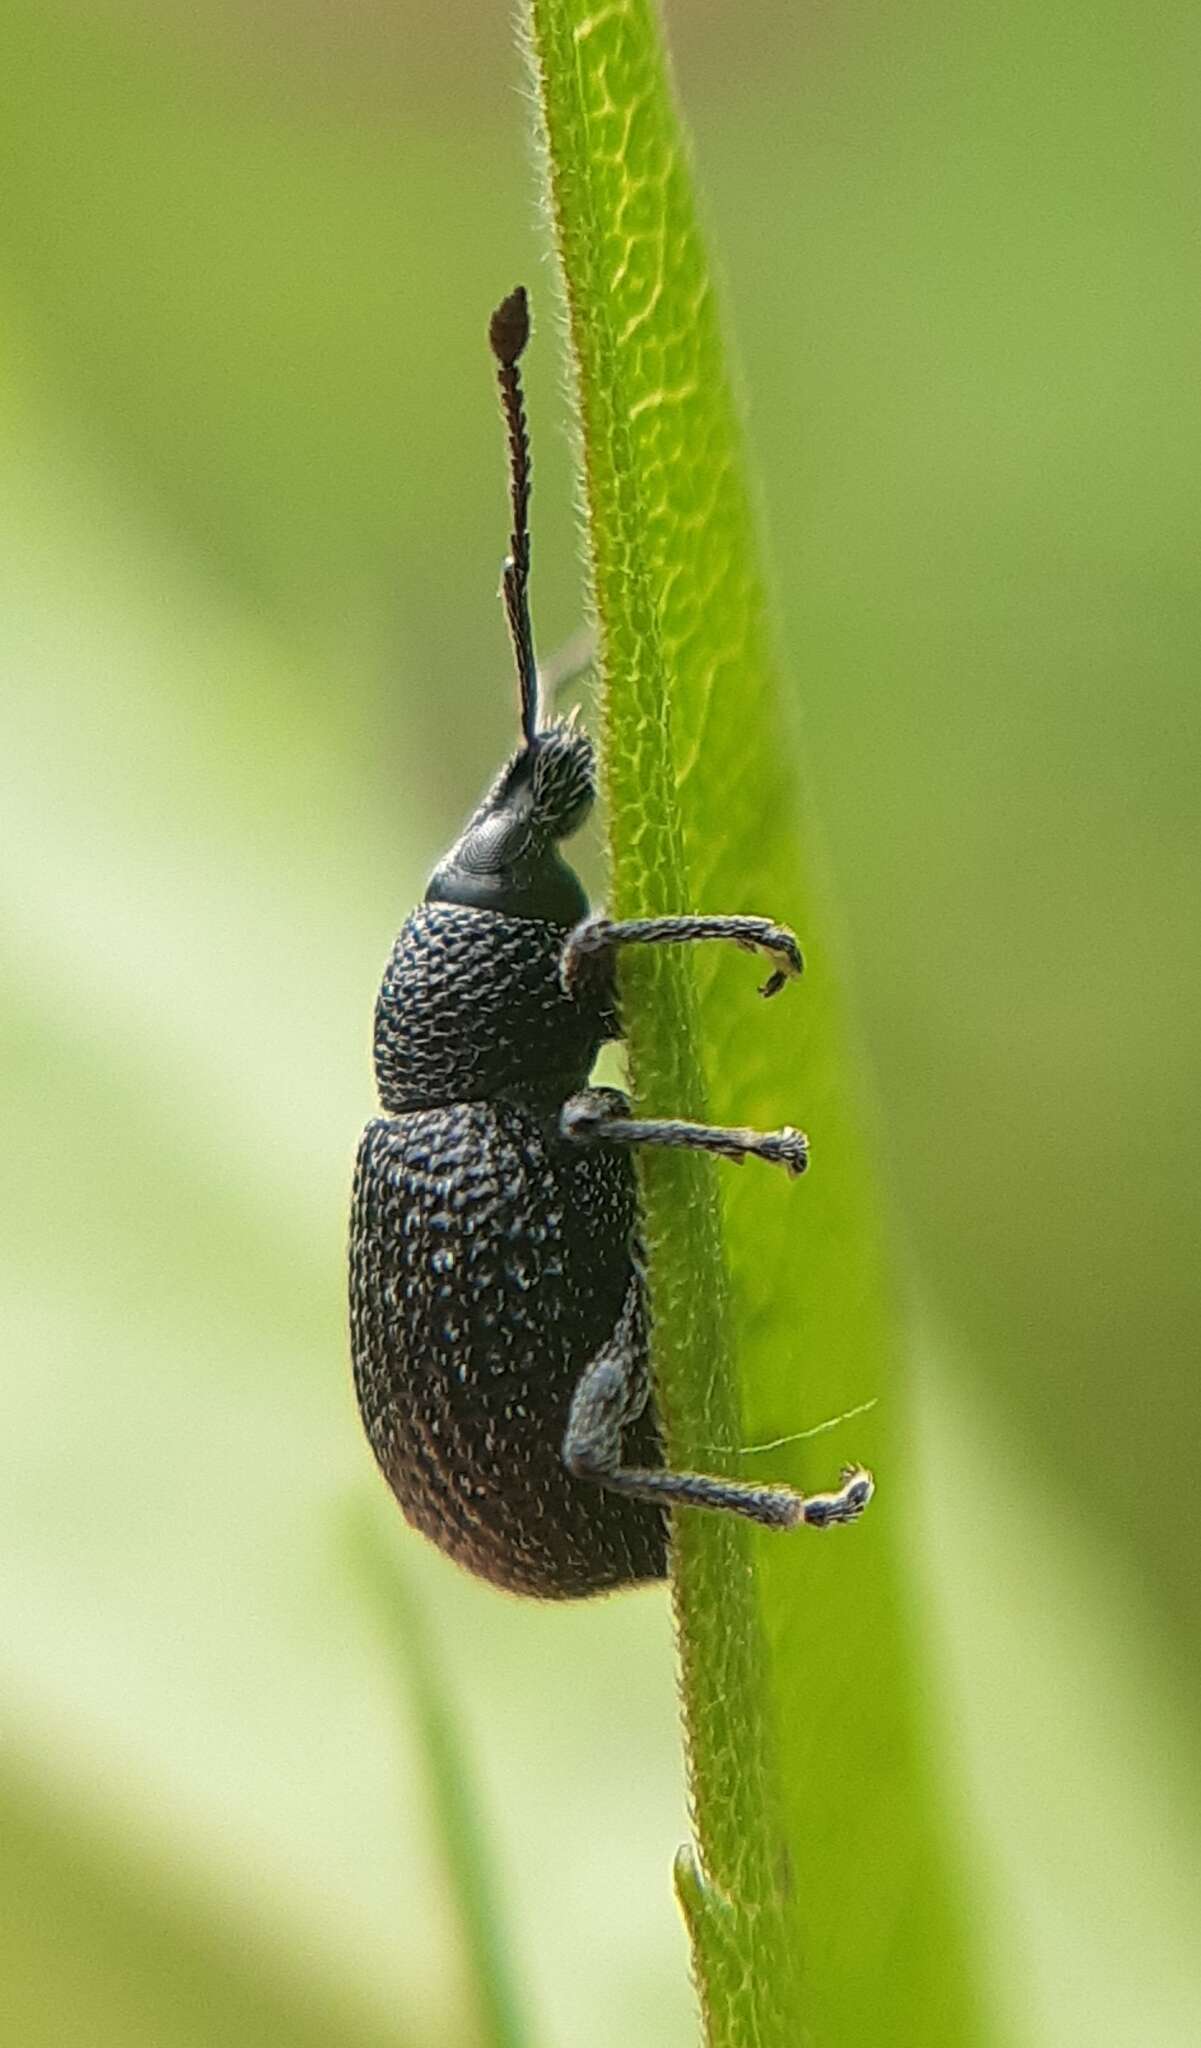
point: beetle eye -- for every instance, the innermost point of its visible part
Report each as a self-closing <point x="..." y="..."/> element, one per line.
<point x="494" y="844"/>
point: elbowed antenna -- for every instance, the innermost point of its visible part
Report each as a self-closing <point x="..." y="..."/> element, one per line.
<point x="508" y="332"/>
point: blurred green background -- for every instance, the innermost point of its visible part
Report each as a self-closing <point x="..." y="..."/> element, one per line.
<point x="254" y="670"/>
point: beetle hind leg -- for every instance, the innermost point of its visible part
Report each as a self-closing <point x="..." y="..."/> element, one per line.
<point x="613" y="1390"/>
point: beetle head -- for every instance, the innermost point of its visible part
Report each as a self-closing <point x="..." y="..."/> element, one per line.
<point x="508" y="858"/>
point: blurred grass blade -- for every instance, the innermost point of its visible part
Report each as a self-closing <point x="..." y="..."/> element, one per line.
<point x="450" y="1778"/>
<point x="821" y="1906"/>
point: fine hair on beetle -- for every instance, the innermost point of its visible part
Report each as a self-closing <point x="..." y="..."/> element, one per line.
<point x="499" y="1303"/>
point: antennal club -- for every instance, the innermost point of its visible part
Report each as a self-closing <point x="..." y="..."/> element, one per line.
<point x="508" y="332"/>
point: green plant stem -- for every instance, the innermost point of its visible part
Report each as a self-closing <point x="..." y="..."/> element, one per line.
<point x="734" y="1899"/>
<point x="821" y="1895"/>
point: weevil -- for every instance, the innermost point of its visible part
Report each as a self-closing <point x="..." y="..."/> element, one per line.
<point x="499" y="1307"/>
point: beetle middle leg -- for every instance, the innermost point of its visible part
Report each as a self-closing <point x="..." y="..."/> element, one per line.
<point x="602" y="1116"/>
<point x="612" y="1391"/>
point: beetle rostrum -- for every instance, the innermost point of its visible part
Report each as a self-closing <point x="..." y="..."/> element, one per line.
<point x="500" y="1319"/>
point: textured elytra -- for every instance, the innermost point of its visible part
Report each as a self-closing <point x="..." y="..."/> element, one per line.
<point x="484" y="1281"/>
<point x="490" y="1258"/>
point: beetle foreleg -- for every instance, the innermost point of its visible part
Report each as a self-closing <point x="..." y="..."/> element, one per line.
<point x="597" y="939"/>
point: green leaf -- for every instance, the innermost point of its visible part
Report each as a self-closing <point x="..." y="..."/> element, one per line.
<point x="823" y="1903"/>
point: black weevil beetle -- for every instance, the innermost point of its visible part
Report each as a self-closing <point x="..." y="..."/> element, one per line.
<point x="498" y="1301"/>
